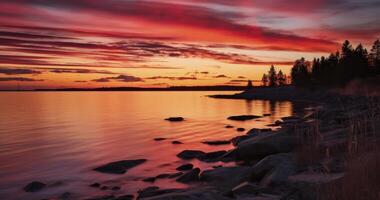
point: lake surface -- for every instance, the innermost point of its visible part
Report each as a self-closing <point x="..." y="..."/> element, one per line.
<point x="59" y="137"/>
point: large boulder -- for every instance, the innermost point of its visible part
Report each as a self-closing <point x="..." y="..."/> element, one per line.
<point x="212" y="156"/>
<point x="190" y="176"/>
<point x="119" y="167"/>
<point x="225" y="178"/>
<point x="261" y="147"/>
<point x="274" y="170"/>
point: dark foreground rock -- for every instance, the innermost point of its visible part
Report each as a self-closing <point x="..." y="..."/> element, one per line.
<point x="190" y="176"/>
<point x="190" y="154"/>
<point x="225" y="178"/>
<point x="243" y="117"/>
<point x="217" y="142"/>
<point x="175" y="119"/>
<point x="203" y="193"/>
<point x="185" y="167"/>
<point x="119" y="167"/>
<point x="34" y="186"/>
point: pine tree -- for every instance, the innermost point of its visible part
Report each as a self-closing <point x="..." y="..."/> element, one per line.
<point x="374" y="57"/>
<point x="281" y="77"/>
<point x="272" y="76"/>
<point x="264" y="80"/>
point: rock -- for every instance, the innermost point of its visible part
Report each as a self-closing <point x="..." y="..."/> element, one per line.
<point x="199" y="193"/>
<point x="212" y="156"/>
<point x="125" y="197"/>
<point x="229" y="126"/>
<point x="263" y="146"/>
<point x="185" y="167"/>
<point x="159" y="139"/>
<point x="119" y="167"/>
<point x="105" y="197"/>
<point x="149" y="179"/>
<point x="190" y="176"/>
<point x="175" y="119"/>
<point x="34" y="186"/>
<point x="236" y="140"/>
<point x="240" y="129"/>
<point x="190" y="154"/>
<point x="267" y="114"/>
<point x="177" y="142"/>
<point x="65" y="195"/>
<point x="104" y="188"/>
<point x="217" y="142"/>
<point x="175" y="175"/>
<point x="225" y="178"/>
<point x="95" y="185"/>
<point x="162" y="176"/>
<point x="151" y="192"/>
<point x="274" y="170"/>
<point x="243" y="117"/>
<point x="246" y="188"/>
<point x="310" y="185"/>
<point x="115" y="188"/>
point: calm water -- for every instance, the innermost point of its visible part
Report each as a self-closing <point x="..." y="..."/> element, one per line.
<point x="58" y="137"/>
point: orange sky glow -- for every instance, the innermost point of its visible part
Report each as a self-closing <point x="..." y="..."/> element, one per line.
<point x="161" y="43"/>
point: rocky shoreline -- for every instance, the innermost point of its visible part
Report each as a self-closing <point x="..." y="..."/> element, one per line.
<point x="299" y="160"/>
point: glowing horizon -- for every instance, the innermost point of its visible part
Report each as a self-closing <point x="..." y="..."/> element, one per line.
<point x="160" y="43"/>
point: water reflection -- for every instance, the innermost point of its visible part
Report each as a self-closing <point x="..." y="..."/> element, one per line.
<point x="61" y="136"/>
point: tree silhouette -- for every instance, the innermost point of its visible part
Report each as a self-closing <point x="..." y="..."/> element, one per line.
<point x="339" y="68"/>
<point x="272" y="76"/>
<point x="265" y="80"/>
<point x="281" y="78"/>
<point x="300" y="73"/>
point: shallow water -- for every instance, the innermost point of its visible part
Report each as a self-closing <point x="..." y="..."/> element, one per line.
<point x="58" y="137"/>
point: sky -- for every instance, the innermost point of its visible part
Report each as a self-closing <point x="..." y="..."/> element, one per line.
<point x="161" y="43"/>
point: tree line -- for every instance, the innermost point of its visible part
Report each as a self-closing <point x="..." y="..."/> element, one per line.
<point x="338" y="68"/>
<point x="273" y="79"/>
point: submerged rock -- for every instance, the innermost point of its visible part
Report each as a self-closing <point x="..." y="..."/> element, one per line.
<point x="95" y="185"/>
<point x="185" y="167"/>
<point x="175" y="119"/>
<point x="162" y="176"/>
<point x="243" y="117"/>
<point x="190" y="176"/>
<point x="149" y="179"/>
<point x="119" y="167"/>
<point x="159" y="139"/>
<point x="154" y="191"/>
<point x="176" y="142"/>
<point x="175" y="175"/>
<point x="229" y="126"/>
<point x="34" y="186"/>
<point x="240" y="129"/>
<point x="212" y="156"/>
<point x="217" y="142"/>
<point x="190" y="154"/>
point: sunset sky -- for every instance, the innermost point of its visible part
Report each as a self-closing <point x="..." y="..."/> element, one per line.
<point x="160" y="43"/>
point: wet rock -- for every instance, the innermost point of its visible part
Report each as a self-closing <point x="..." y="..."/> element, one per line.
<point x="119" y="167"/>
<point x="229" y="126"/>
<point x="236" y="140"/>
<point x="217" y="142"/>
<point x="267" y="114"/>
<point x="105" y="197"/>
<point x="243" y="117"/>
<point x="175" y="175"/>
<point x="65" y="195"/>
<point x="185" y="167"/>
<point x="125" y="197"/>
<point x="190" y="176"/>
<point x="177" y="142"/>
<point x="104" y="188"/>
<point x="95" y="185"/>
<point x="115" y="188"/>
<point x="225" y="178"/>
<point x="149" y="179"/>
<point x="212" y="156"/>
<point x="263" y="146"/>
<point x="240" y="129"/>
<point x="274" y="170"/>
<point x="159" y="139"/>
<point x="199" y="193"/>
<point x="34" y="186"/>
<point x="246" y="188"/>
<point x="190" y="154"/>
<point x="154" y="191"/>
<point x="162" y="176"/>
<point x="175" y="119"/>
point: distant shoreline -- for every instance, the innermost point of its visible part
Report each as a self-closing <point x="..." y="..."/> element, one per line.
<point x="174" y="88"/>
